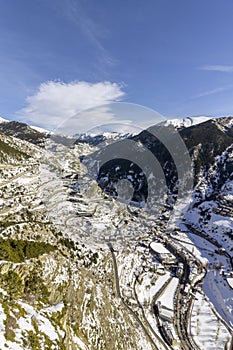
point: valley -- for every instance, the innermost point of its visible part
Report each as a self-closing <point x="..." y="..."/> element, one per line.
<point x="82" y="269"/>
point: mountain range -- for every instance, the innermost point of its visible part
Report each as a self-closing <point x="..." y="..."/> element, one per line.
<point x="76" y="266"/>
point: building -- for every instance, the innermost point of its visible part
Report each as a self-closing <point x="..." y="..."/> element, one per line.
<point x="165" y="302"/>
<point x="230" y="281"/>
<point x="162" y="253"/>
<point x="170" y="334"/>
<point x="166" y="313"/>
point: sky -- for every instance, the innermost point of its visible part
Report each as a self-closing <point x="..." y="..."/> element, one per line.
<point x="58" y="58"/>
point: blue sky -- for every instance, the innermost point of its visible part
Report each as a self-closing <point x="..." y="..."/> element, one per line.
<point x="59" y="57"/>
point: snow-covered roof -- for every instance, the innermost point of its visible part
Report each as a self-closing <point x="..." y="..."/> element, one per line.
<point x="230" y="282"/>
<point x="159" y="248"/>
<point x="167" y="297"/>
<point x="166" y="313"/>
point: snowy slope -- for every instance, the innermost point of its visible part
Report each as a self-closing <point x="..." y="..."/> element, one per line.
<point x="186" y="122"/>
<point x="2" y="120"/>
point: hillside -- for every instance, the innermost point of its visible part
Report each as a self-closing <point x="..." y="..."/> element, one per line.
<point x="23" y="132"/>
<point x="77" y="267"/>
<point x="56" y="292"/>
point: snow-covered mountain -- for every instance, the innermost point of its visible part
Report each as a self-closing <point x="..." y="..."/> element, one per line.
<point x="107" y="133"/>
<point x="208" y="221"/>
<point x="187" y="122"/>
<point x="2" y="120"/>
<point x="114" y="128"/>
<point x="102" y="139"/>
<point x="23" y="131"/>
<point x="78" y="269"/>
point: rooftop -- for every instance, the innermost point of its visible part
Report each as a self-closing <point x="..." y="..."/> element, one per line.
<point x="159" y="248"/>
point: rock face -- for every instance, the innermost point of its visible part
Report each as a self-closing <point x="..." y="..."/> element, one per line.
<point x="60" y="286"/>
<point x="204" y="142"/>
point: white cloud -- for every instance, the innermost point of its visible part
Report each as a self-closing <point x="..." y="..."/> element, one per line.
<point x="55" y="102"/>
<point x="218" y="68"/>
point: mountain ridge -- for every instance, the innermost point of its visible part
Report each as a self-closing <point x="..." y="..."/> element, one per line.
<point x="62" y="289"/>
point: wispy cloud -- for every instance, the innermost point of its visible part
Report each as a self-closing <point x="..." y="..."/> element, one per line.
<point x="213" y="91"/>
<point x="76" y="11"/>
<point x="218" y="68"/>
<point x="54" y="102"/>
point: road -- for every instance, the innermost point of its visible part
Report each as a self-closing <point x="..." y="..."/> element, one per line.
<point x="118" y="292"/>
<point x="148" y="324"/>
<point x="211" y="240"/>
<point x="182" y="309"/>
<point x="194" y="231"/>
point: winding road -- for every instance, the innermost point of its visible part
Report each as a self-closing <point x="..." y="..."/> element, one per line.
<point x="118" y="291"/>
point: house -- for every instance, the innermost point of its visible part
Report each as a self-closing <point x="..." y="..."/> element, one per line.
<point x="162" y="253"/>
<point x="165" y="312"/>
